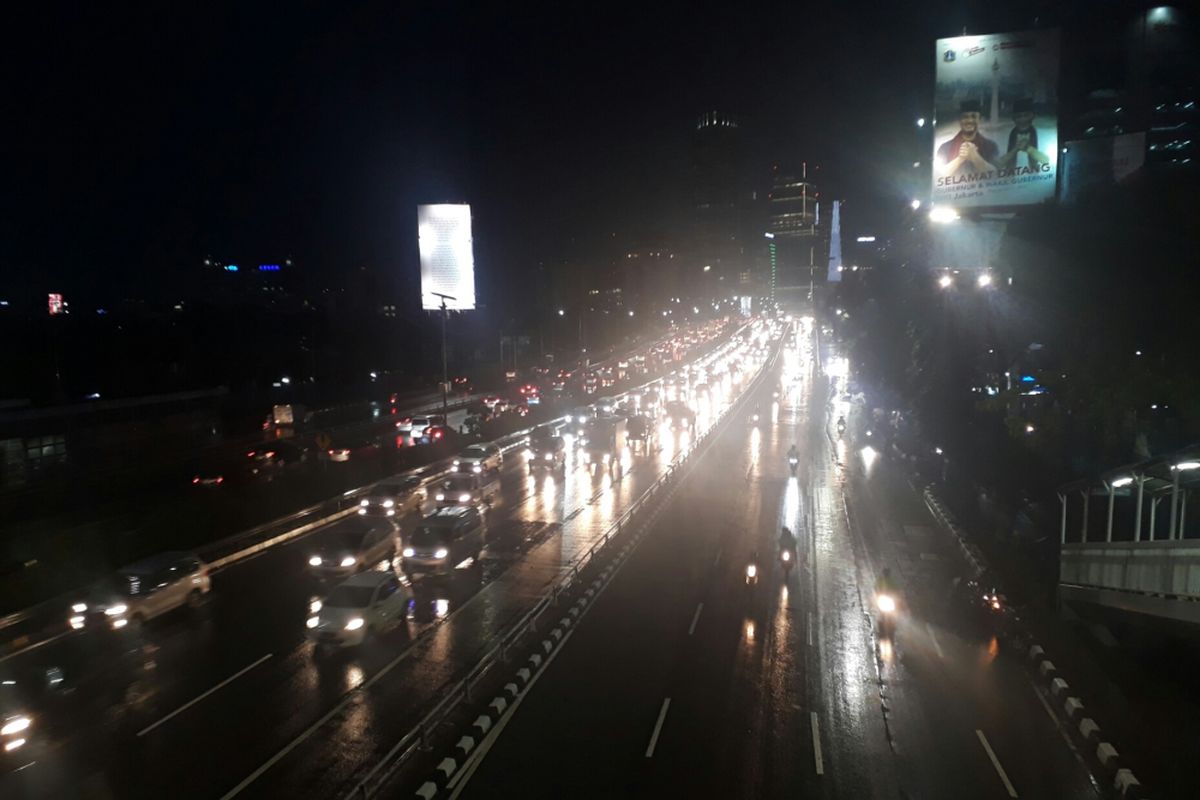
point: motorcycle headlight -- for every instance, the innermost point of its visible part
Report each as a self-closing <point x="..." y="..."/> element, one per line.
<point x="751" y="571"/>
<point x="354" y="624"/>
<point x="315" y="561"/>
<point x="549" y="456"/>
<point x="117" y="610"/>
<point x="408" y="552"/>
<point x="886" y="603"/>
<point x="348" y="561"/>
<point x="441" y="552"/>
<point x="787" y="555"/>
<point x="15" y="726"/>
<point x="528" y="453"/>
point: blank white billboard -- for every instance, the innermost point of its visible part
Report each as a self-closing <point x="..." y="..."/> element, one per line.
<point x="447" y="256"/>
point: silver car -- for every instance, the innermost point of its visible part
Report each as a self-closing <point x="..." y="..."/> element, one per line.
<point x="365" y="604"/>
<point x="351" y="546"/>
<point x="479" y="458"/>
<point x="144" y="590"/>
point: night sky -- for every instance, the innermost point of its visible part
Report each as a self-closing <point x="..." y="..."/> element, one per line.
<point x="138" y="142"/>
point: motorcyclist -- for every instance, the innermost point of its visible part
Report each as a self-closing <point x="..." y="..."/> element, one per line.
<point x="884" y="584"/>
<point x="787" y="540"/>
<point x="793" y="455"/>
<point x="841" y="423"/>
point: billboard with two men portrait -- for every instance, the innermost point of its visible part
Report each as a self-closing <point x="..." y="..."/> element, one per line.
<point x="995" y="139"/>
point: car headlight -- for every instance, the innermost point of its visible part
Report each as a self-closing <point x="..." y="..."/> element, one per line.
<point x="391" y="512"/>
<point x="477" y="468"/>
<point x="441" y="552"/>
<point x="315" y="606"/>
<point x="549" y="456"/>
<point x="606" y="458"/>
<point x="408" y="552"/>
<point x="354" y="624"/>
<point x="79" y="608"/>
<point x="365" y="502"/>
<point x="117" y="610"/>
<point x="348" y="561"/>
<point x="388" y="503"/>
<point x="13" y="745"/>
<point x="454" y="463"/>
<point x="464" y="498"/>
<point x="77" y="622"/>
<point x="528" y="453"/>
<point x="315" y="561"/>
<point x="587" y="457"/>
<point x="439" y="497"/>
<point x="313" y="622"/>
<point x="119" y="622"/>
<point x="886" y="603"/>
<point x="15" y="725"/>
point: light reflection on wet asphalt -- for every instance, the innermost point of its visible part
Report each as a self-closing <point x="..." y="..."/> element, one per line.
<point x="556" y="517"/>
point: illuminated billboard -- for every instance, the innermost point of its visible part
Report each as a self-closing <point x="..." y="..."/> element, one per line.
<point x="995" y="129"/>
<point x="447" y="257"/>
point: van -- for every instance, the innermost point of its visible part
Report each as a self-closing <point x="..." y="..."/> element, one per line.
<point x="442" y="540"/>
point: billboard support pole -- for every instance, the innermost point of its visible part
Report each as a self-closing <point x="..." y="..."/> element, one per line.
<point x="445" y="373"/>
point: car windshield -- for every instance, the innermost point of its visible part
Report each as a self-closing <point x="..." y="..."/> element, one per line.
<point x="428" y="536"/>
<point x="341" y="540"/>
<point x="460" y="483"/>
<point x="389" y="490"/>
<point x="474" y="452"/>
<point x="349" y="597"/>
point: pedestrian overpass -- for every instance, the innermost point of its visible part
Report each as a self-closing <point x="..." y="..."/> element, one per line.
<point x="1124" y="538"/>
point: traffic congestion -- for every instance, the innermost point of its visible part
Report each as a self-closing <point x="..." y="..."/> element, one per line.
<point x="338" y="605"/>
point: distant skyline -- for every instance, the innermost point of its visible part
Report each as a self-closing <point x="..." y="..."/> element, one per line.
<point x="140" y="143"/>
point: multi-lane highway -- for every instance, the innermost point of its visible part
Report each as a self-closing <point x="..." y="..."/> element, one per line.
<point x="682" y="681"/>
<point x="232" y="701"/>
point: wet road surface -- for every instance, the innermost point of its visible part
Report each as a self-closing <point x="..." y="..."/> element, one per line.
<point x="232" y="701"/>
<point x="683" y="681"/>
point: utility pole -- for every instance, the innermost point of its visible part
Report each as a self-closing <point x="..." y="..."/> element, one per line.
<point x="445" y="373"/>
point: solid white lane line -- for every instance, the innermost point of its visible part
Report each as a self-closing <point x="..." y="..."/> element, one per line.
<point x="695" y="619"/>
<point x="816" y="734"/>
<point x="195" y="700"/>
<point x="35" y="645"/>
<point x="996" y="763"/>
<point x="810" y="639"/>
<point x="662" y="715"/>
<point x="934" y="639"/>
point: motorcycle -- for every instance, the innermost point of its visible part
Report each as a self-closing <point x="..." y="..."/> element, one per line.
<point x="885" y="618"/>
<point x="841" y="427"/>
<point x="751" y="574"/>
<point x="787" y="558"/>
<point x="793" y="462"/>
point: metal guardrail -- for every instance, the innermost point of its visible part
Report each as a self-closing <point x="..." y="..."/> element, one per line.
<point x="460" y="692"/>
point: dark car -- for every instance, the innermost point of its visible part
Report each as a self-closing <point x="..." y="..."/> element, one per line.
<point x="445" y="538"/>
<point x="272" y="458"/>
<point x="680" y="415"/>
<point x="548" y="452"/>
<point x="394" y="498"/>
<point x="462" y="385"/>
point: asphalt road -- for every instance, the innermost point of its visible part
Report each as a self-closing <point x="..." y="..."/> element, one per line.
<point x="231" y="701"/>
<point x="684" y="682"/>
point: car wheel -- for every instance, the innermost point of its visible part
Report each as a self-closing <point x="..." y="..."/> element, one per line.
<point x="195" y="599"/>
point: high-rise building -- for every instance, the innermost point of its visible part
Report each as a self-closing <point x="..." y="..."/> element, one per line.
<point x="794" y="221"/>
<point x="719" y="192"/>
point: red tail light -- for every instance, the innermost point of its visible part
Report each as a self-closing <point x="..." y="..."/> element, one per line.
<point x="269" y="454"/>
<point x="220" y="479"/>
<point x="250" y="454"/>
<point x="196" y="479"/>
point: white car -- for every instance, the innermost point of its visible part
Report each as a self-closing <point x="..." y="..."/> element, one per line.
<point x="394" y="498"/>
<point x="413" y="426"/>
<point x="143" y="590"/>
<point x="365" y="604"/>
<point x="479" y="458"/>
